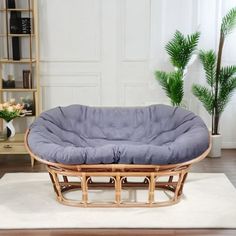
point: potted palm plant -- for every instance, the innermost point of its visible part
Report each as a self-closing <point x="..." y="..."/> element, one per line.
<point x="180" y="49"/>
<point x="221" y="82"/>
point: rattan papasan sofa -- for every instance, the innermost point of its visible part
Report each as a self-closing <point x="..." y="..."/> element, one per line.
<point x="156" y="144"/>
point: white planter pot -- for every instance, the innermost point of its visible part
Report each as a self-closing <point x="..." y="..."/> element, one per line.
<point x="216" y="144"/>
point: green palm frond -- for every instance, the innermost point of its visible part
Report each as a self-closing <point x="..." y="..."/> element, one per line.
<point x="163" y="78"/>
<point x="172" y="83"/>
<point x="208" y="59"/>
<point x="181" y="48"/>
<point x="176" y="85"/>
<point x="226" y="93"/>
<point x="205" y="97"/>
<point x="226" y="73"/>
<point x="228" y="22"/>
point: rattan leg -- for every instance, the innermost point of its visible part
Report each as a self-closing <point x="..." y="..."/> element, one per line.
<point x="182" y="184"/>
<point x="53" y="183"/>
<point x="152" y="184"/>
<point x="118" y="189"/>
<point x="181" y="177"/>
<point x="84" y="185"/>
<point x="58" y="187"/>
<point x="32" y="161"/>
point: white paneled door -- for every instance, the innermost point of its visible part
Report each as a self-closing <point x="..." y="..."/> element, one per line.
<point x="95" y="52"/>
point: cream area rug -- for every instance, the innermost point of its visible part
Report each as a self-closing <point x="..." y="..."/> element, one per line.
<point x="27" y="201"/>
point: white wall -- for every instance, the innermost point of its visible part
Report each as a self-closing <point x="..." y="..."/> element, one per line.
<point x="228" y="124"/>
<point x="104" y="52"/>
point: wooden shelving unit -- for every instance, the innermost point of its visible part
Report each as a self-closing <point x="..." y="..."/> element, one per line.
<point x="29" y="9"/>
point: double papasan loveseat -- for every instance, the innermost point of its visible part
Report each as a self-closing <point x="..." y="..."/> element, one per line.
<point x="155" y="145"/>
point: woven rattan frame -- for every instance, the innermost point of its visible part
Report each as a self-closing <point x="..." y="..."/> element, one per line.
<point x="119" y="174"/>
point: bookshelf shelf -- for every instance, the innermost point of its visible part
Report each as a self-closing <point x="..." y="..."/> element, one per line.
<point x="17" y="90"/>
<point x="21" y="61"/>
<point x="16" y="9"/>
<point x="17" y="35"/>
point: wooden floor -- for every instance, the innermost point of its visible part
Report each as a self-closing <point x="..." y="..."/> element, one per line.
<point x="226" y="164"/>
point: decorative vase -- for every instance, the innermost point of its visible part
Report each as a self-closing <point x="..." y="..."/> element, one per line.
<point x="3" y="134"/>
<point x="216" y="144"/>
<point x="10" y="129"/>
<point x="11" y="4"/>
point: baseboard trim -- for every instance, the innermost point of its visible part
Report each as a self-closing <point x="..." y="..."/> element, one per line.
<point x="228" y="145"/>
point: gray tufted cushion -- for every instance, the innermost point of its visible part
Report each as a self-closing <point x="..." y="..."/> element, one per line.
<point x="157" y="134"/>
